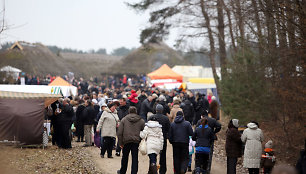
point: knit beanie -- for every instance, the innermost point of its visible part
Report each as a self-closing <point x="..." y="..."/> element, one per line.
<point x="269" y="144"/>
<point x="159" y="107"/>
<point x="235" y="122"/>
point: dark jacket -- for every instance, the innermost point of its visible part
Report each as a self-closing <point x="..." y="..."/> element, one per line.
<point x="145" y="108"/>
<point x="202" y="107"/>
<point x="123" y="111"/>
<point x="141" y="98"/>
<point x="233" y="145"/>
<point x="180" y="130"/>
<point x="188" y="110"/>
<point x="97" y="110"/>
<point x="88" y="115"/>
<point x="129" y="129"/>
<point x="301" y="164"/>
<point x="99" y="116"/>
<point x="213" y="124"/>
<point x="164" y="121"/>
<point x="203" y="139"/>
<point x="66" y="114"/>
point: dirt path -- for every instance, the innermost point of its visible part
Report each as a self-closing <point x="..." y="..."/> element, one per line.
<point x="110" y="166"/>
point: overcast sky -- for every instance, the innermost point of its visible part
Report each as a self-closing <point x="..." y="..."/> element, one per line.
<point x="77" y="24"/>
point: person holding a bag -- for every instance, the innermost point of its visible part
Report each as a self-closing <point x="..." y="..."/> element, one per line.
<point x="108" y="125"/>
<point x="129" y="138"/>
<point x="153" y="135"/>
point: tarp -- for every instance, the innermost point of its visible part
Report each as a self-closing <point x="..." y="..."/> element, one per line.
<point x="202" y="80"/>
<point x="59" y="82"/>
<point x="22" y="116"/>
<point x="66" y="88"/>
<point x="47" y="98"/>
<point x="33" y="89"/>
<point x="165" y="72"/>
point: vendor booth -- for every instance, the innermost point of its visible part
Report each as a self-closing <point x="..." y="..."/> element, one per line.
<point x="22" y="116"/>
<point x="165" y="78"/>
<point x="66" y="88"/>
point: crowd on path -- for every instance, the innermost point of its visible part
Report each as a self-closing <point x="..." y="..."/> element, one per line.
<point x="139" y="118"/>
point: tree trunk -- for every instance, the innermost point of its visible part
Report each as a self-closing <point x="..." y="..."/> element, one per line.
<point x="258" y="26"/>
<point x="212" y="52"/>
<point x="230" y="25"/>
<point x="240" y="20"/>
<point x="221" y="37"/>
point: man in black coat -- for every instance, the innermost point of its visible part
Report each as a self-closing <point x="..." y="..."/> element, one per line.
<point x="188" y="110"/>
<point x="164" y="121"/>
<point x="123" y="110"/>
<point x="79" y="123"/>
<point x="179" y="133"/>
<point x="145" y="108"/>
<point x="64" y="122"/>
<point x="88" y="116"/>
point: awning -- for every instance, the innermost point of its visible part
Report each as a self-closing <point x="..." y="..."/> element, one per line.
<point x="49" y="98"/>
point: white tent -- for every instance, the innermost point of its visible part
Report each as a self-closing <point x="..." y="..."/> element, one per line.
<point x="195" y="72"/>
<point x="14" y="72"/>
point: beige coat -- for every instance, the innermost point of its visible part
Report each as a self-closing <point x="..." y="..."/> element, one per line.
<point x="173" y="112"/>
<point x="108" y="123"/>
<point x="252" y="137"/>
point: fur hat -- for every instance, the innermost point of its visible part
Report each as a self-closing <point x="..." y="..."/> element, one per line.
<point x="269" y="144"/>
<point x="235" y="122"/>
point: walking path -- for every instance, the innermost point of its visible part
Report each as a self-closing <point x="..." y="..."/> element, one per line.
<point x="110" y="166"/>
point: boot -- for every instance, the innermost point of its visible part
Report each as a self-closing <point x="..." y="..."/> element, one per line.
<point x="153" y="168"/>
<point x="150" y="170"/>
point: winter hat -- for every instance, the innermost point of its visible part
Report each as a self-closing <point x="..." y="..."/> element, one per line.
<point x="154" y="95"/>
<point x="159" y="107"/>
<point x="162" y="98"/>
<point x="235" y="122"/>
<point x="179" y="113"/>
<point x="133" y="91"/>
<point x="269" y="144"/>
<point x="94" y="101"/>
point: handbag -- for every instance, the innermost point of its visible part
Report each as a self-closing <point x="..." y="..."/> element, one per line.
<point x="143" y="146"/>
<point x="97" y="139"/>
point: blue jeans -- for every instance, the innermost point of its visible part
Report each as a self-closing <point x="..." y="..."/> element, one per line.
<point x="152" y="158"/>
<point x="190" y="160"/>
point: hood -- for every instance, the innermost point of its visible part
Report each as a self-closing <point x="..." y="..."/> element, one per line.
<point x="187" y="102"/>
<point x="179" y="119"/>
<point x="133" y="99"/>
<point x="153" y="124"/>
<point x="109" y="111"/>
<point x="252" y="126"/>
<point x="133" y="117"/>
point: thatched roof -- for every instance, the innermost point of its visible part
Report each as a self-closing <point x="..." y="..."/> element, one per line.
<point x="148" y="58"/>
<point x="33" y="59"/>
<point x="87" y="65"/>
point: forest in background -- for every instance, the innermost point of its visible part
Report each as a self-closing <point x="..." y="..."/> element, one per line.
<point x="261" y="45"/>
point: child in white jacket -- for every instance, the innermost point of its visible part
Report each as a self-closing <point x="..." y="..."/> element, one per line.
<point x="154" y="140"/>
<point x="191" y="151"/>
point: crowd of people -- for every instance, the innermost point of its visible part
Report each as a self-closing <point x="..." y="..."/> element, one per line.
<point x="123" y="116"/>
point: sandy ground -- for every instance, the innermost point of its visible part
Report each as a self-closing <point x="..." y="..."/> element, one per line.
<point x="110" y="166"/>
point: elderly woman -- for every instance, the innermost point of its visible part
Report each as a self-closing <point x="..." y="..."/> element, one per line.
<point x="252" y="137"/>
<point x="108" y="124"/>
